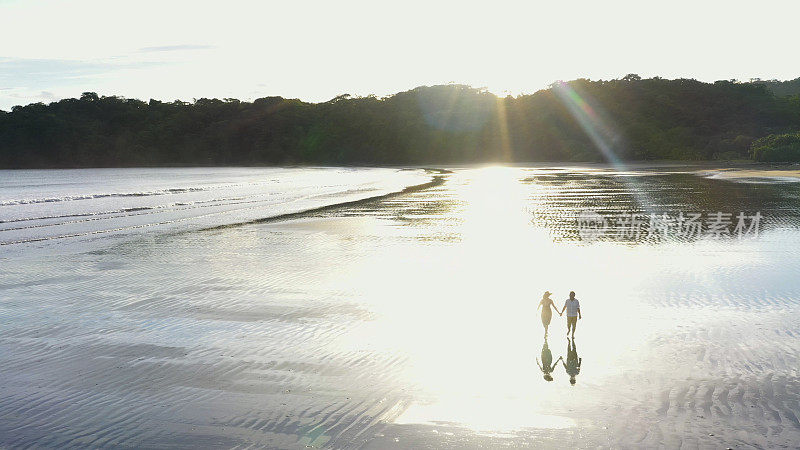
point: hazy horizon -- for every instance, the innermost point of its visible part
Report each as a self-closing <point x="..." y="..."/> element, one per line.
<point x="315" y="51"/>
<point x="390" y="94"/>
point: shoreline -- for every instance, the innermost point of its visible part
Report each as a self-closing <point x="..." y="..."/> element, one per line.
<point x="445" y="164"/>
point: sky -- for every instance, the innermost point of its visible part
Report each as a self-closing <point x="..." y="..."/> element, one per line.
<point x="316" y="50"/>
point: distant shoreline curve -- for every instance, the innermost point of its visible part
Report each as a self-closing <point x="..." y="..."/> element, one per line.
<point x="436" y="180"/>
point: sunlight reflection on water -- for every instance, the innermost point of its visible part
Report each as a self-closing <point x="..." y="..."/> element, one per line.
<point x="464" y="316"/>
<point x="416" y="311"/>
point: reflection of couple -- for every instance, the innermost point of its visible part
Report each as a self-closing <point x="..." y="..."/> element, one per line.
<point x="572" y="365"/>
<point x="572" y="305"/>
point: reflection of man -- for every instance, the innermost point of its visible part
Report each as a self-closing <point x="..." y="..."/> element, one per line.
<point x="573" y="307"/>
<point x="573" y="364"/>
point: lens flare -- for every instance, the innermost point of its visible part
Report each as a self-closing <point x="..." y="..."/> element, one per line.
<point x="603" y="135"/>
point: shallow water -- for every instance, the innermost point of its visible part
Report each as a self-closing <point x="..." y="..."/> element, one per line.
<point x="410" y="321"/>
<point x="48" y="205"/>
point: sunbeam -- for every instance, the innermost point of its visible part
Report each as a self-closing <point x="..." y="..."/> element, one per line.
<point x="603" y="135"/>
<point x="502" y="125"/>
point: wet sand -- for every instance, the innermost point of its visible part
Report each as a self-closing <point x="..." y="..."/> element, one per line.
<point x="763" y="174"/>
<point x="411" y="322"/>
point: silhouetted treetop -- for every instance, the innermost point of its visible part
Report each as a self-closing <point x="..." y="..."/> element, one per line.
<point x="633" y="118"/>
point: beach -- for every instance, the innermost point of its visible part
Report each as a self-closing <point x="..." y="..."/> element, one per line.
<point x="764" y="173"/>
<point x="377" y="315"/>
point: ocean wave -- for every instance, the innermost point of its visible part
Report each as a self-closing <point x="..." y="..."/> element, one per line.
<point x="204" y="214"/>
<point x="70" y="198"/>
<point x="152" y="208"/>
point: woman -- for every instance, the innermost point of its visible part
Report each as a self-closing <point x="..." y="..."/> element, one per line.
<point x="547" y="313"/>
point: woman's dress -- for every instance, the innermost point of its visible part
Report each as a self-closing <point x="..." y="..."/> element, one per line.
<point x="547" y="313"/>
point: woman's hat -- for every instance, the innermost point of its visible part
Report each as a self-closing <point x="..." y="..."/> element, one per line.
<point x="547" y="293"/>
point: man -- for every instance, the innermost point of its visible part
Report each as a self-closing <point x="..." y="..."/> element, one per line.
<point x="573" y="307"/>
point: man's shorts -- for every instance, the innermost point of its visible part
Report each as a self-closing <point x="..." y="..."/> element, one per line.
<point x="572" y="321"/>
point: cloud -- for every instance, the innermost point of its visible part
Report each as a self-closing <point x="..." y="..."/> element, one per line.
<point x="22" y="72"/>
<point x="175" y="48"/>
<point x="24" y="80"/>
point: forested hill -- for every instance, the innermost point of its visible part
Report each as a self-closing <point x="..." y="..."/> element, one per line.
<point x="581" y="120"/>
<point x="781" y="88"/>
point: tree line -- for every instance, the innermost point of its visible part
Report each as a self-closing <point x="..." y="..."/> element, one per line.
<point x="581" y="120"/>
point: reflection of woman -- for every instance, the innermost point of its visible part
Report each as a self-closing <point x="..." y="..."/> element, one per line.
<point x="547" y="313"/>
<point x="547" y="365"/>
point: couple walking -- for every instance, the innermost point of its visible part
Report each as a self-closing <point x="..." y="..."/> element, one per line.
<point x="572" y="305"/>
